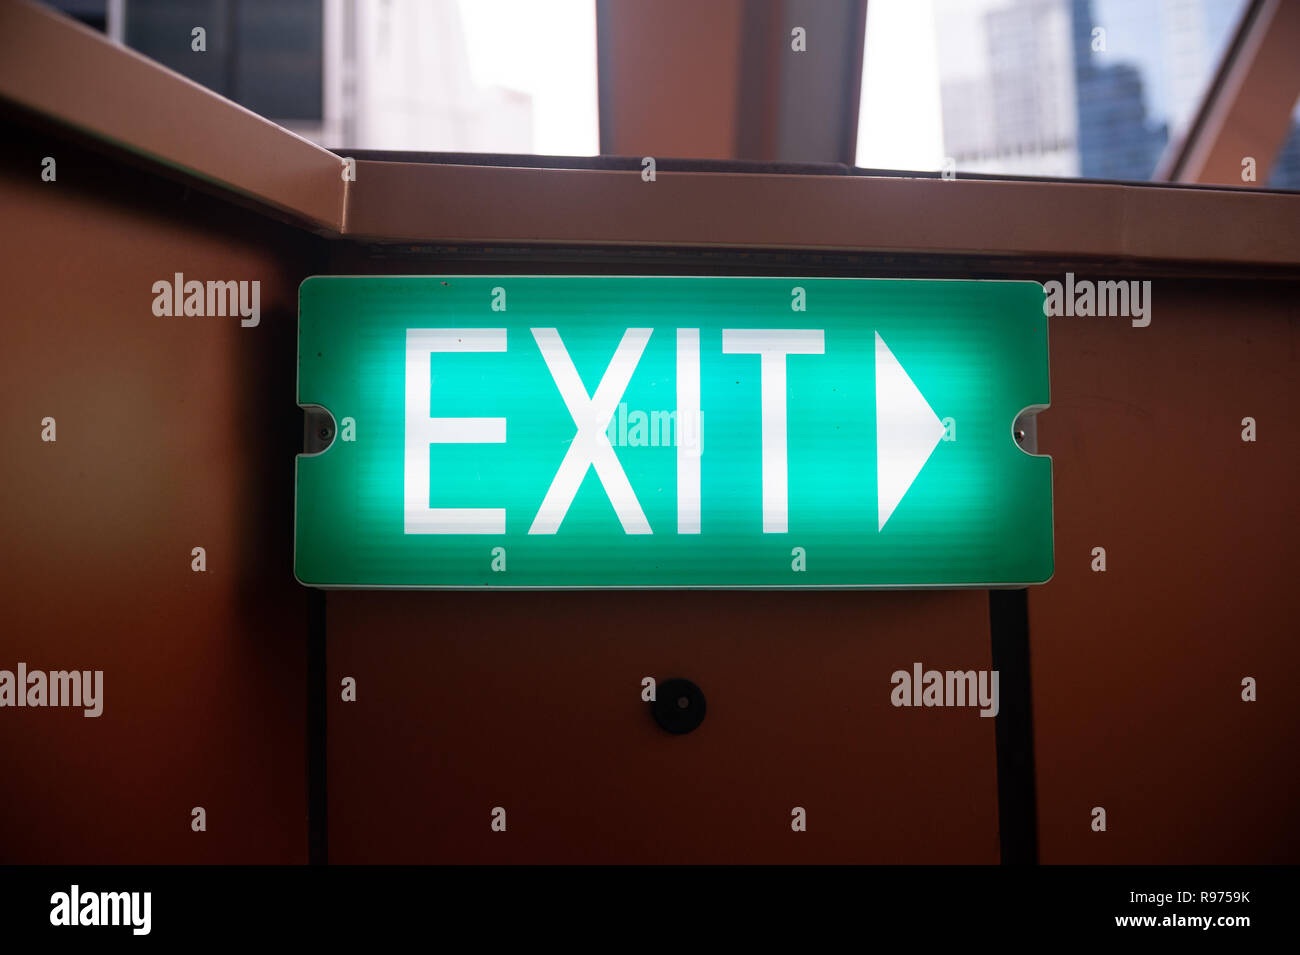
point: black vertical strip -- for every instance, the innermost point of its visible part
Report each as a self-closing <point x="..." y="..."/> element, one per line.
<point x="317" y="696"/>
<point x="1017" y="794"/>
<point x="231" y="51"/>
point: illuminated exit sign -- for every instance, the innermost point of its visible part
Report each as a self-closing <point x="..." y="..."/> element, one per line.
<point x="630" y="431"/>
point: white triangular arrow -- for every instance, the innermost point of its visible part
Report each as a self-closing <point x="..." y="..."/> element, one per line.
<point x="907" y="431"/>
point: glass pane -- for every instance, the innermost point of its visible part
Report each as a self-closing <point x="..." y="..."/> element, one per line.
<point x="1091" y="88"/>
<point x="1286" y="167"/>
<point x="514" y="76"/>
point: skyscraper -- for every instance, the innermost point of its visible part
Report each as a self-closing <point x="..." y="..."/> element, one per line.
<point x="1117" y="139"/>
<point x="1007" y="86"/>
<point x="1092" y="88"/>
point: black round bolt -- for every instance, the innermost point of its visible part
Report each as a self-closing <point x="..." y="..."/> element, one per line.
<point x="678" y="706"/>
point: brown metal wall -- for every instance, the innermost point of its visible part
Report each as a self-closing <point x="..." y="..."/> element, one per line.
<point x="531" y="702"/>
<point x="180" y="432"/>
<point x="1137" y="671"/>
<point x="172" y="433"/>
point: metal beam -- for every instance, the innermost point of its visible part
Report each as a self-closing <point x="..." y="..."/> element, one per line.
<point x="816" y="93"/>
<point x="406" y="202"/>
<point x="57" y="68"/>
<point x="668" y="75"/>
<point x="723" y="80"/>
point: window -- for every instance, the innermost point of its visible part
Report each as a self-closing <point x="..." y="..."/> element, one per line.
<point x="1068" y="88"/>
<point x="438" y="75"/>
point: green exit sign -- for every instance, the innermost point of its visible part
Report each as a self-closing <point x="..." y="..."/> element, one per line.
<point x="635" y="431"/>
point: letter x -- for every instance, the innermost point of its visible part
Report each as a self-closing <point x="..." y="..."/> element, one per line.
<point x="591" y="447"/>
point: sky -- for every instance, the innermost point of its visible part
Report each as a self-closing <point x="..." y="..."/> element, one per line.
<point x="899" y="121"/>
<point x="548" y="52"/>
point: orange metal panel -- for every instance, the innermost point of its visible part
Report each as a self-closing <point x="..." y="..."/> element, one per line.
<point x="532" y="702"/>
<point x="1137" y="671"/>
<point x="171" y="433"/>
